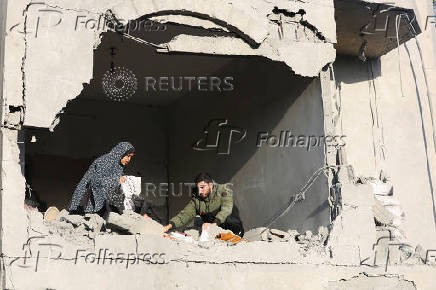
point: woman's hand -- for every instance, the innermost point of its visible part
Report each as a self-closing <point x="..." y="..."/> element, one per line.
<point x="122" y="179"/>
<point x="145" y="215"/>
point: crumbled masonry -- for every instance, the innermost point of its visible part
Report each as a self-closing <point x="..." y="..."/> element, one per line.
<point x="259" y="245"/>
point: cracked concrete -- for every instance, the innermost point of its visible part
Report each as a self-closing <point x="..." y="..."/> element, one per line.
<point x="301" y="34"/>
<point x="364" y="281"/>
<point x="256" y="35"/>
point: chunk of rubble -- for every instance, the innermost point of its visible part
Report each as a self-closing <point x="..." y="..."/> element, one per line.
<point x="412" y="256"/>
<point x="208" y="237"/>
<point x="309" y="240"/>
<point x="36" y="222"/>
<point x="133" y="223"/>
<point x="256" y="234"/>
<point x="270" y="235"/>
<point x="88" y="222"/>
<point x="77" y="229"/>
<point x="195" y="234"/>
<point x="381" y="214"/>
<point x="74" y="219"/>
<point x="51" y="213"/>
<point x="277" y="234"/>
<point x="381" y="188"/>
<point x="214" y="230"/>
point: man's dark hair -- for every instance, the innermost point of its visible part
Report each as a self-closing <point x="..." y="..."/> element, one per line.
<point x="203" y="176"/>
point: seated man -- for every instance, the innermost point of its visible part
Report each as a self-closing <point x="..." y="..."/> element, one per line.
<point x="213" y="203"/>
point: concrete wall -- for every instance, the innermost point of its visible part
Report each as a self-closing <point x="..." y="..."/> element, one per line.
<point x="266" y="98"/>
<point x="2" y="53"/>
<point x="389" y="128"/>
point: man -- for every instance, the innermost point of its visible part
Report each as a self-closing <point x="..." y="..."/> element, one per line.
<point x="213" y="203"/>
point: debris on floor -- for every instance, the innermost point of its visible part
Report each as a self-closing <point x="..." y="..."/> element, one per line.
<point x="82" y="229"/>
<point x="181" y="237"/>
<point x="76" y="227"/>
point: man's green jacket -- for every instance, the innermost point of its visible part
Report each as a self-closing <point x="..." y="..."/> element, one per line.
<point x="220" y="200"/>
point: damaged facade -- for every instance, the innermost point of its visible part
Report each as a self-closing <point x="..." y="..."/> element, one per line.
<point x="360" y="210"/>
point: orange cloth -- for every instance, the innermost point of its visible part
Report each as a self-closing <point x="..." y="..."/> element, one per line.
<point x="228" y="237"/>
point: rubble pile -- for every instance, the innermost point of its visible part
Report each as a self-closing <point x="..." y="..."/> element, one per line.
<point x="387" y="209"/>
<point x="76" y="228"/>
<point x="83" y="229"/>
<point x="204" y="239"/>
<point x="308" y="244"/>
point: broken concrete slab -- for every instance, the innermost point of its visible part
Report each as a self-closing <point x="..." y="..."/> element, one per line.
<point x="36" y="223"/>
<point x="133" y="223"/>
<point x="250" y="28"/>
<point x="357" y="208"/>
<point x="381" y="214"/>
<point x="290" y="53"/>
<point x="247" y="22"/>
<point x="269" y="235"/>
<point x="368" y="29"/>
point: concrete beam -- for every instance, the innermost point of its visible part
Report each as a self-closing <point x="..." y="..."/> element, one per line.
<point x="368" y="29"/>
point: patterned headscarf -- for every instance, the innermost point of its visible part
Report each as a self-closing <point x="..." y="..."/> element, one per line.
<point x="102" y="177"/>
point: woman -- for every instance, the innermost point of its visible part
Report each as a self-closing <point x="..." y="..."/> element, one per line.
<point x="102" y="181"/>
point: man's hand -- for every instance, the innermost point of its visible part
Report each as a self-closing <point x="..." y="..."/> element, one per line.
<point x="167" y="228"/>
<point x="206" y="225"/>
<point x="122" y="179"/>
<point x="145" y="215"/>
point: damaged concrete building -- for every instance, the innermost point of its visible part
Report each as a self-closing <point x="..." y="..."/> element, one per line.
<point x="319" y="113"/>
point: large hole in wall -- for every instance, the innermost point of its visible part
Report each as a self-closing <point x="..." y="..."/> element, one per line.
<point x="253" y="94"/>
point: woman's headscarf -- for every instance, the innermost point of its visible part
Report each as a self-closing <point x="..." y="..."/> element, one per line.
<point x="102" y="177"/>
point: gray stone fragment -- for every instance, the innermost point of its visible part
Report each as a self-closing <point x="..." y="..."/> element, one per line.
<point x="94" y="222"/>
<point x="283" y="236"/>
<point x="74" y="219"/>
<point x="133" y="223"/>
